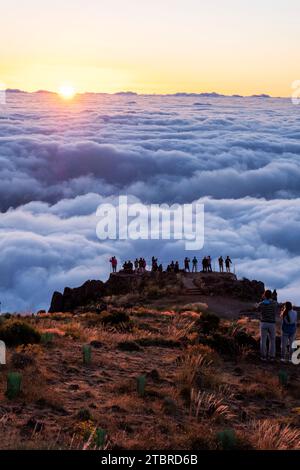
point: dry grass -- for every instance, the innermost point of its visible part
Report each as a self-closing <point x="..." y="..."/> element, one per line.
<point x="191" y="391"/>
<point x="209" y="405"/>
<point x="263" y="385"/>
<point x="270" y="435"/>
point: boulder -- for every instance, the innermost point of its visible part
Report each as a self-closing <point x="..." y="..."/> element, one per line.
<point x="56" y="303"/>
<point x="90" y="291"/>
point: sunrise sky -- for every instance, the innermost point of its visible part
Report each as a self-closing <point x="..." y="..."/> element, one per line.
<point x="155" y="46"/>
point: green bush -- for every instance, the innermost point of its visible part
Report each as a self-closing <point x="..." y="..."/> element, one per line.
<point x="14" y="381"/>
<point x="227" y="439"/>
<point x="84" y="414"/>
<point x="17" y="332"/>
<point x="47" y="338"/>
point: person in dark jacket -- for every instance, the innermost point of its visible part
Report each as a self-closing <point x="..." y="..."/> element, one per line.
<point x="221" y="264"/>
<point x="228" y="262"/>
<point x="187" y="264"/>
<point x="267" y="309"/>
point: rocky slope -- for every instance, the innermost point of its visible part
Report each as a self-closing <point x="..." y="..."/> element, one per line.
<point x="205" y="387"/>
<point x="197" y="285"/>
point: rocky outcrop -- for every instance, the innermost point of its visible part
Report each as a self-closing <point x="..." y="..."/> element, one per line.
<point x="213" y="284"/>
<point x="228" y="285"/>
<point x="90" y="291"/>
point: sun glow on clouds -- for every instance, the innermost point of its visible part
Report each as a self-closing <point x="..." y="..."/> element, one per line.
<point x="67" y="91"/>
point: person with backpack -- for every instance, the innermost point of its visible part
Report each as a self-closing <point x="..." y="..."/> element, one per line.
<point x="288" y="330"/>
<point x="267" y="309"/>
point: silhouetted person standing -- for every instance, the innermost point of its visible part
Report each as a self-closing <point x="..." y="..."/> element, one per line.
<point x="209" y="268"/>
<point x="136" y="265"/>
<point x="187" y="264"/>
<point x="195" y="265"/>
<point x="221" y="264"/>
<point x="274" y="295"/>
<point x="114" y="264"/>
<point x="154" y="263"/>
<point x="228" y="262"/>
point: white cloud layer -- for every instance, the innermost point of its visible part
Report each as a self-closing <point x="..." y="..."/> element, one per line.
<point x="240" y="156"/>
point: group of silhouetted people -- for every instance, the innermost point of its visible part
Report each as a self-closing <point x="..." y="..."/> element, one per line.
<point x="139" y="265"/>
<point x="155" y="267"/>
<point x="227" y="262"/>
<point x="268" y="309"/>
<point x="207" y="264"/>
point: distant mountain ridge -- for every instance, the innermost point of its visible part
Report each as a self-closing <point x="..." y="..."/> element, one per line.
<point x="132" y="93"/>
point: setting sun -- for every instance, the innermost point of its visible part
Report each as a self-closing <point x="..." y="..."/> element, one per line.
<point x="67" y="92"/>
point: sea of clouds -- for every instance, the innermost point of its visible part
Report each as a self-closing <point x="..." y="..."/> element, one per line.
<point x="59" y="161"/>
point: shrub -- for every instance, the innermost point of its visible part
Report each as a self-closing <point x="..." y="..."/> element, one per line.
<point x="73" y="331"/>
<point x="21" y="360"/>
<point x="14" y="381"/>
<point x="197" y="307"/>
<point x="17" y="332"/>
<point x="47" y="338"/>
<point x="242" y="338"/>
<point x="227" y="439"/>
<point x="84" y="415"/>
<point x="223" y="344"/>
<point x="208" y="322"/>
<point x="129" y="346"/>
<point x="113" y="317"/>
<point x="158" y="342"/>
<point x="153" y="292"/>
<point x="191" y="369"/>
<point x="231" y="342"/>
